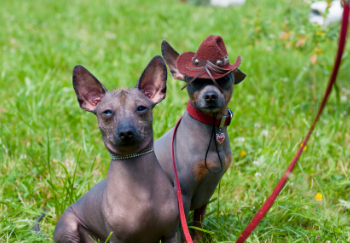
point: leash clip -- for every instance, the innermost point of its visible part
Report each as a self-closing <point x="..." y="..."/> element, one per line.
<point x="223" y="118"/>
<point x="231" y="114"/>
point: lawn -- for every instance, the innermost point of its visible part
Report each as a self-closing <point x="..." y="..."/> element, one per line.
<point x="51" y="151"/>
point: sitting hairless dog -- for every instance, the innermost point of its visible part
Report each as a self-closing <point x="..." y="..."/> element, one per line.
<point x="137" y="201"/>
<point x="200" y="161"/>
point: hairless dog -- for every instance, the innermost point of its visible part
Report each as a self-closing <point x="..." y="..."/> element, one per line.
<point x="200" y="161"/>
<point x="137" y="201"/>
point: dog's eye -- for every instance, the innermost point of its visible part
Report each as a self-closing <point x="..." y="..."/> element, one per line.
<point x="141" y="108"/>
<point x="225" y="79"/>
<point x="107" y="112"/>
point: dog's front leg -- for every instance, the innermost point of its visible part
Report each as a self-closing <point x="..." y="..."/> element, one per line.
<point x="198" y="217"/>
<point x="67" y="229"/>
<point x="175" y="238"/>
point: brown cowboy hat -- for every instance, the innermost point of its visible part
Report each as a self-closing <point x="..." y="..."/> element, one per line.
<point x="209" y="62"/>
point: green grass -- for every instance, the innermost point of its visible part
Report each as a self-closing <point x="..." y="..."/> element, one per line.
<point x="51" y="151"/>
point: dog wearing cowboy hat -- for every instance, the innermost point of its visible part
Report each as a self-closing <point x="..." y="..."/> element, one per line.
<point x="202" y="147"/>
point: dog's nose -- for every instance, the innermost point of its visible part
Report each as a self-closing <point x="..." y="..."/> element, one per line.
<point x="210" y="96"/>
<point x="126" y="133"/>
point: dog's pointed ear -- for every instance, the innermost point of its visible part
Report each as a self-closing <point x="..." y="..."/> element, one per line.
<point x="170" y="56"/>
<point x="239" y="76"/>
<point x="153" y="80"/>
<point x="88" y="89"/>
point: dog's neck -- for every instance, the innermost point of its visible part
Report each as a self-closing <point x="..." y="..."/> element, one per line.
<point x="222" y="117"/>
<point x="222" y="112"/>
<point x="134" y="167"/>
<point x="203" y="131"/>
<point x="134" y="173"/>
<point x="130" y="156"/>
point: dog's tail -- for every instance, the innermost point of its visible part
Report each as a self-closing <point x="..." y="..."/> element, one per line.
<point x="37" y="222"/>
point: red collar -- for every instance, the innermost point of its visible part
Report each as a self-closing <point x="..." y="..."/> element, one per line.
<point x="200" y="116"/>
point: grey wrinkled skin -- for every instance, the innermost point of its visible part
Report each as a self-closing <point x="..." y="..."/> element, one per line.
<point x="192" y="139"/>
<point x="137" y="202"/>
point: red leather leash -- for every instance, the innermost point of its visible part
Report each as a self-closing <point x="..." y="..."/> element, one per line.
<point x="178" y="190"/>
<point x="258" y="217"/>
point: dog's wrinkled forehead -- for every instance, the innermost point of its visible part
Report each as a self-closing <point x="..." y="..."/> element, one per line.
<point x="121" y="94"/>
<point x="123" y="98"/>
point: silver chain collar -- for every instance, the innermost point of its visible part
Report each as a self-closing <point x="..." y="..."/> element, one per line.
<point x="129" y="156"/>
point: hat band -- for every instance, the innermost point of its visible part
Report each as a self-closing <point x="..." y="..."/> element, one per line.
<point x="218" y="62"/>
<point x="208" y="66"/>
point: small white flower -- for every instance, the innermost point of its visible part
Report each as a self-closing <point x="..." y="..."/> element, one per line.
<point x="257" y="125"/>
<point x="23" y="156"/>
<point x="240" y="139"/>
<point x="291" y="184"/>
<point x="265" y="132"/>
<point x="256" y="163"/>
<point x="257" y="174"/>
<point x="343" y="98"/>
<point x="268" y="49"/>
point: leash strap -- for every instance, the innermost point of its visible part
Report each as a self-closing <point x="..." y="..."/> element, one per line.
<point x="178" y="189"/>
<point x="258" y="217"/>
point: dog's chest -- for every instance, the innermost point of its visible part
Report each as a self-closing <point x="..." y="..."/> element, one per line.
<point x="212" y="167"/>
<point x="146" y="220"/>
<point x="206" y="177"/>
